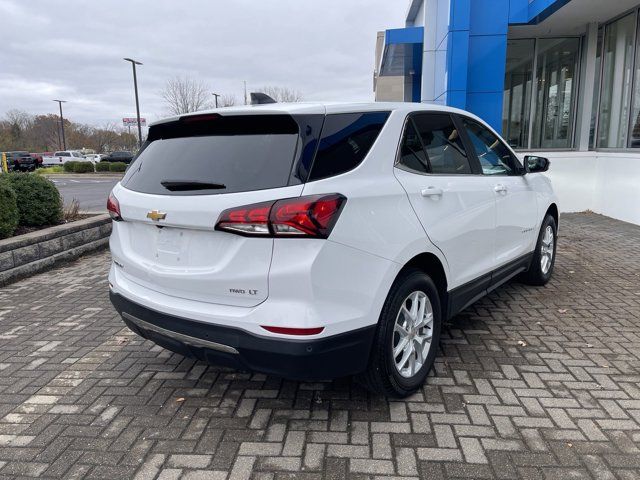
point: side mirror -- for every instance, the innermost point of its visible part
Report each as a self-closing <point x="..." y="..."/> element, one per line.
<point x="534" y="164"/>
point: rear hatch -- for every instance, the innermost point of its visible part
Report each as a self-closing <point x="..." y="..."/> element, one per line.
<point x="189" y="171"/>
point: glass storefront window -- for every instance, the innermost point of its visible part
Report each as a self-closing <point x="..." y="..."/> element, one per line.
<point x="635" y="115"/>
<point x="596" y="92"/>
<point x="516" y="105"/>
<point x="617" y="77"/>
<point x="556" y="77"/>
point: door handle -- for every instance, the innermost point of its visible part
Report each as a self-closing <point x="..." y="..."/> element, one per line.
<point x="431" y="192"/>
<point x="499" y="188"/>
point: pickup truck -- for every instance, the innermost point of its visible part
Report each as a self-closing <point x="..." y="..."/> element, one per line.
<point x="62" y="157"/>
<point x="20" y="161"/>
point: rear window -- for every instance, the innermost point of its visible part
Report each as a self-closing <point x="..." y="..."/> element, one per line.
<point x="346" y="140"/>
<point x="212" y="154"/>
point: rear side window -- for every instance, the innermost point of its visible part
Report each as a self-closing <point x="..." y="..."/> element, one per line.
<point x="442" y="144"/>
<point x="412" y="156"/>
<point x="212" y="154"/>
<point x="346" y="139"/>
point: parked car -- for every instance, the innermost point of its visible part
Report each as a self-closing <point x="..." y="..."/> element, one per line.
<point x="62" y="157"/>
<point x="20" y="161"/>
<point x="319" y="241"/>
<point x="120" y="156"/>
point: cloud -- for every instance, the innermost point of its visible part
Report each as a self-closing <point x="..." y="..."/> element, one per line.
<point x="74" y="49"/>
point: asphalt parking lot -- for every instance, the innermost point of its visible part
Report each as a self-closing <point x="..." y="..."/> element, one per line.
<point x="530" y="383"/>
<point x="90" y="191"/>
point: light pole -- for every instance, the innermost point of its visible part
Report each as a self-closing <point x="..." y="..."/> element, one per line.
<point x="216" y="95"/>
<point x="64" y="141"/>
<point x="135" y="87"/>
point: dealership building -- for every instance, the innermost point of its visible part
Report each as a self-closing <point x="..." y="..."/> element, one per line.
<point x="555" y="76"/>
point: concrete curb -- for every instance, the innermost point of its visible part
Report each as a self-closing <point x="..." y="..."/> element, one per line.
<point x="35" y="252"/>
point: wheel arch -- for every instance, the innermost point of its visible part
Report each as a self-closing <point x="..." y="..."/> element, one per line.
<point x="432" y="266"/>
<point x="553" y="211"/>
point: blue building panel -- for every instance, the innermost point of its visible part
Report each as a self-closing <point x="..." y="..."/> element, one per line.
<point x="457" y="99"/>
<point x="404" y="35"/>
<point x="488" y="106"/>
<point x="460" y="15"/>
<point x="487" y="54"/>
<point x="518" y="11"/>
<point x="541" y="9"/>
<point x="489" y="17"/>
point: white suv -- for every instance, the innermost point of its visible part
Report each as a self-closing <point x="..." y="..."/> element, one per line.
<point x="314" y="241"/>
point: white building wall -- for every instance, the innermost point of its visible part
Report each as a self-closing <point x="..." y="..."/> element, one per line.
<point x="603" y="182"/>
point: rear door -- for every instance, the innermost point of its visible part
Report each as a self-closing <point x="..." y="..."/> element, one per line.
<point x="188" y="173"/>
<point x="448" y="194"/>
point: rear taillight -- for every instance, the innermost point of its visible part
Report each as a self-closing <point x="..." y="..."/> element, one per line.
<point x="311" y="216"/>
<point x="113" y="206"/>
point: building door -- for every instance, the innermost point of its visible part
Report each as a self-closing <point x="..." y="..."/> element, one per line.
<point x="556" y="80"/>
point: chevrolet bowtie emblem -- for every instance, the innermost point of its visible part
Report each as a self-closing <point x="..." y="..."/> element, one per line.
<point x="155" y="215"/>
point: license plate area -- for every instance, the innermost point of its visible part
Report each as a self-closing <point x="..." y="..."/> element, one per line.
<point x="170" y="246"/>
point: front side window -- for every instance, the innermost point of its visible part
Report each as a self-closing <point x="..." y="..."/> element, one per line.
<point x="442" y="143"/>
<point x="495" y="158"/>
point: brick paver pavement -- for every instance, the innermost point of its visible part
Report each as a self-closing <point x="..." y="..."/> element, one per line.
<point x="530" y="383"/>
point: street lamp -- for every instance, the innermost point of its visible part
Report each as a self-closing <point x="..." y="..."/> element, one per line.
<point x="64" y="141"/>
<point x="216" y="95"/>
<point x="135" y="87"/>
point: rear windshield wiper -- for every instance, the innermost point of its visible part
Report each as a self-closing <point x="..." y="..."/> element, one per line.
<point x="187" y="185"/>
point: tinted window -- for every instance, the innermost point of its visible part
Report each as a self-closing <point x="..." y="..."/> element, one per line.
<point x="216" y="155"/>
<point x="442" y="143"/>
<point x="412" y="155"/>
<point x="346" y="139"/>
<point x="495" y="158"/>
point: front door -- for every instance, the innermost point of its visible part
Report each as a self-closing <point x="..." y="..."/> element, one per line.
<point x="516" y="204"/>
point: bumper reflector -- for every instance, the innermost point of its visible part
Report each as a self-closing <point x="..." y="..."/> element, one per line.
<point x="294" y="331"/>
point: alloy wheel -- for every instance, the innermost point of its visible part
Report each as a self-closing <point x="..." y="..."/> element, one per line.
<point x="412" y="334"/>
<point x="546" y="250"/>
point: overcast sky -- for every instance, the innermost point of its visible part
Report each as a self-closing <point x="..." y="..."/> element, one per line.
<point x="73" y="50"/>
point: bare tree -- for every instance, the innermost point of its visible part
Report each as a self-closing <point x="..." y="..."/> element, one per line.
<point x="184" y="95"/>
<point x="227" y="100"/>
<point x="283" y="94"/>
<point x="104" y="137"/>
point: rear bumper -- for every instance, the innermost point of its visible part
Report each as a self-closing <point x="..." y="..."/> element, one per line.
<point x="319" y="359"/>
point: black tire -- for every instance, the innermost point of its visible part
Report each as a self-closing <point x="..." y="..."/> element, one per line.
<point x="382" y="376"/>
<point x="536" y="275"/>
